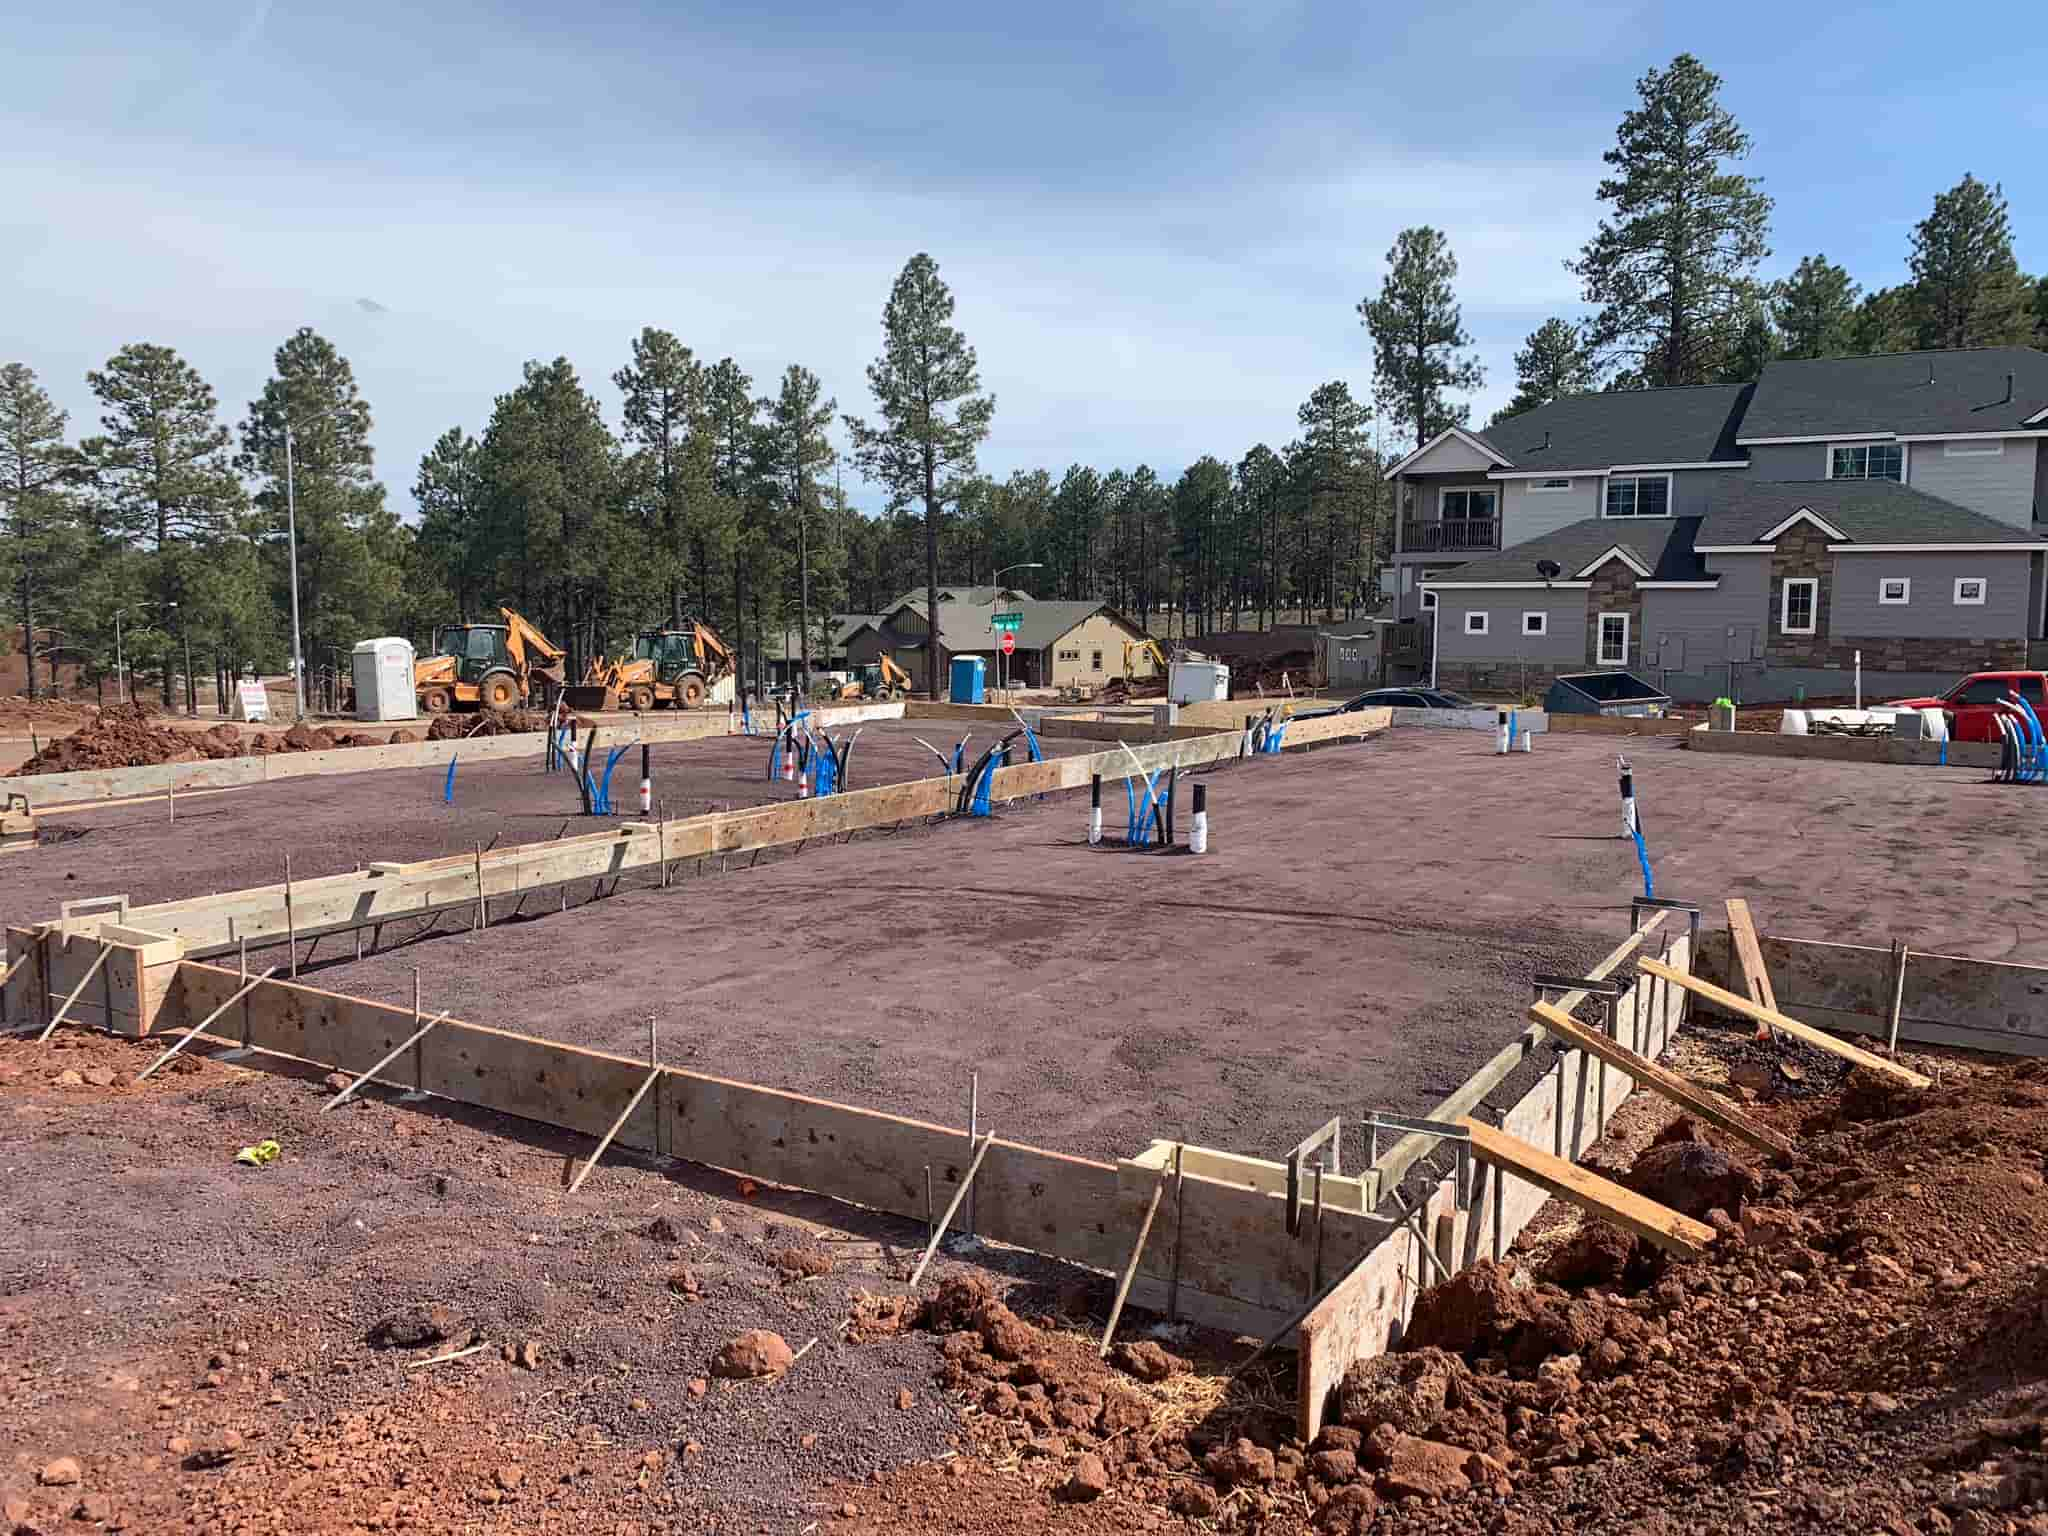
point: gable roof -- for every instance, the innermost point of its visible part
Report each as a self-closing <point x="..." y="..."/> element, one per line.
<point x="1693" y="425"/>
<point x="983" y="595"/>
<point x="1876" y="512"/>
<point x="964" y="626"/>
<point x="1473" y="440"/>
<point x="1661" y="546"/>
<point x="1904" y="393"/>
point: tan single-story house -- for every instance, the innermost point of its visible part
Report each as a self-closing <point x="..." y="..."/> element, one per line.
<point x="1059" y="644"/>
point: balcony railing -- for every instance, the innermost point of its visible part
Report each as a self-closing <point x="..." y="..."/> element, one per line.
<point x="1450" y="535"/>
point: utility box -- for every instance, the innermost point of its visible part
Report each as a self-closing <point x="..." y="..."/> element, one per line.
<point x="970" y="679"/>
<point x="1197" y="682"/>
<point x="382" y="671"/>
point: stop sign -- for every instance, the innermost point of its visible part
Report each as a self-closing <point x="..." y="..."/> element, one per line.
<point x="1009" y="643"/>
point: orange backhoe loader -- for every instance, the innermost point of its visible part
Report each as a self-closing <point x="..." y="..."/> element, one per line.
<point x="489" y="666"/>
<point x="673" y="667"/>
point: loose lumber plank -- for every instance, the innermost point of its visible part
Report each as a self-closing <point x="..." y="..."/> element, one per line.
<point x="1658" y="1224"/>
<point x="1749" y="955"/>
<point x="1709" y="1106"/>
<point x="1721" y="997"/>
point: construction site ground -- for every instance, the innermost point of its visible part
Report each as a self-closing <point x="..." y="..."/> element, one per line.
<point x="196" y="1335"/>
<point x="330" y="823"/>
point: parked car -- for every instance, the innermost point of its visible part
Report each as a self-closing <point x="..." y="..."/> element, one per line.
<point x="1972" y="703"/>
<point x="1412" y="698"/>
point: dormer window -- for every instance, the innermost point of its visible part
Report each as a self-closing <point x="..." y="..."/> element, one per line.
<point x="1868" y="461"/>
<point x="1638" y="496"/>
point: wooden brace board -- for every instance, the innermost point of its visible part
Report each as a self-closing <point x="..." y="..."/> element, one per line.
<point x="1589" y="1192"/>
<point x="1748" y="1010"/>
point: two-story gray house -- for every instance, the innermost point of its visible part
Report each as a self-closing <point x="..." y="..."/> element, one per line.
<point x="1745" y="539"/>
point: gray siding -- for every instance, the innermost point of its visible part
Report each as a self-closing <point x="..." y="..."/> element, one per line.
<point x="1449" y="456"/>
<point x="1854" y="612"/>
<point x="1788" y="461"/>
<point x="1997" y="485"/>
<point x="2040" y="480"/>
<point x="1504" y="640"/>
<point x="1527" y="514"/>
<point x="1689" y="631"/>
<point x="1689" y="488"/>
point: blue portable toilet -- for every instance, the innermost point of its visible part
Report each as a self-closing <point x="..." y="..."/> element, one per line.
<point x="969" y="677"/>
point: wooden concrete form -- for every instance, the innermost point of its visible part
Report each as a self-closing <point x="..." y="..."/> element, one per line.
<point x="1845" y="749"/>
<point x="55" y="791"/>
<point x="1997" y="1006"/>
<point x="1566" y="1111"/>
<point x="385" y="892"/>
<point x="1617" y="725"/>
<point x="130" y="996"/>
<point x="1239" y="1268"/>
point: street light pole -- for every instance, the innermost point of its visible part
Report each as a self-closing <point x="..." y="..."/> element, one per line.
<point x="995" y="596"/>
<point x="120" y="672"/>
<point x="291" y="525"/>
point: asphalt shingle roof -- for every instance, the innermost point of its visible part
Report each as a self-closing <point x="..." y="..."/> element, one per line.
<point x="1910" y="393"/>
<point x="1866" y="511"/>
<point x="964" y="626"/>
<point x="1662" y="545"/>
<point x="1695" y="425"/>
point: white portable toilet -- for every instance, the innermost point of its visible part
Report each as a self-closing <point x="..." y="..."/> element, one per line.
<point x="1197" y="682"/>
<point x="382" y="670"/>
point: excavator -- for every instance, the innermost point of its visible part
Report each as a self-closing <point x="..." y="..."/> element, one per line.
<point x="489" y="666"/>
<point x="676" y="667"/>
<point x="880" y="679"/>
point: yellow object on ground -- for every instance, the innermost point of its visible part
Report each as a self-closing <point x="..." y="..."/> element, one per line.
<point x="262" y="1153"/>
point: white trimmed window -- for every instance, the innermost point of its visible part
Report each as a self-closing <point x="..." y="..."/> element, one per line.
<point x="1893" y="590"/>
<point x="1638" y="496"/>
<point x="1971" y="591"/>
<point x="1535" y="622"/>
<point x="1973" y="448"/>
<point x="1868" y="461"/>
<point x="1475" y="622"/>
<point x="1541" y="487"/>
<point x="1799" y="605"/>
<point x="1614" y="639"/>
<point x="1428" y="601"/>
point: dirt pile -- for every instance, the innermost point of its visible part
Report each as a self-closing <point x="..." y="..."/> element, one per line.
<point x="128" y="736"/>
<point x="491" y="723"/>
<point x="1864" y="1347"/>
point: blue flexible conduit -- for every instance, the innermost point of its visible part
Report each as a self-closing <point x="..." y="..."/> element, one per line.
<point x="448" y="787"/>
<point x="1643" y="857"/>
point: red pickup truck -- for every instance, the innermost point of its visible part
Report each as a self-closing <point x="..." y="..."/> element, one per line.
<point x="1972" y="703"/>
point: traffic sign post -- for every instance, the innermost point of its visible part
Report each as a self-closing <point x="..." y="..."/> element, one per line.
<point x="1009" y="642"/>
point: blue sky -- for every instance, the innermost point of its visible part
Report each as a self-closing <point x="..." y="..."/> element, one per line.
<point x="1157" y="218"/>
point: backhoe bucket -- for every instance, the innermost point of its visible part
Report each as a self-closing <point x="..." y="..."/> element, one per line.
<point x="590" y="696"/>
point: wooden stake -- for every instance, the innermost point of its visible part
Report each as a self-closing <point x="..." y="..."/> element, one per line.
<point x="1180" y="1221"/>
<point x="197" y="1029"/>
<point x="1721" y="997"/>
<point x="1899" y="954"/>
<point x="952" y="1210"/>
<point x="65" y="1006"/>
<point x="483" y="912"/>
<point x="384" y="1061"/>
<point x="1750" y="955"/>
<point x="291" y="927"/>
<point x="1589" y="1192"/>
<point x="1123" y="1289"/>
<point x="617" y="1126"/>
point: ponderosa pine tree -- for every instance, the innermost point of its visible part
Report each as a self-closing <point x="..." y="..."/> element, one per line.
<point x="163" y="475"/>
<point x="1673" y="266"/>
<point x="37" y="470"/>
<point x="798" y="450"/>
<point x="933" y="415"/>
<point x="1815" y="310"/>
<point x="1550" y="364"/>
<point x="1418" y="336"/>
<point x="1967" y="288"/>
<point x="455" y="531"/>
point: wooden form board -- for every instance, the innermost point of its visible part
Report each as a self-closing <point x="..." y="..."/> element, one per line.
<point x="128" y="996"/>
<point x="1566" y="1110"/>
<point x="1998" y="1006"/>
<point x="1756" y="976"/>
<point x="1239" y="1267"/>
<point x="1589" y="1192"/>
<point x="1845" y="749"/>
<point x="340" y="903"/>
<point x="54" y="791"/>
<point x="1703" y="1102"/>
<point x="1723" y="998"/>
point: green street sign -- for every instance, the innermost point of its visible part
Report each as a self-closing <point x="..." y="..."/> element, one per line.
<point x="1009" y="621"/>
